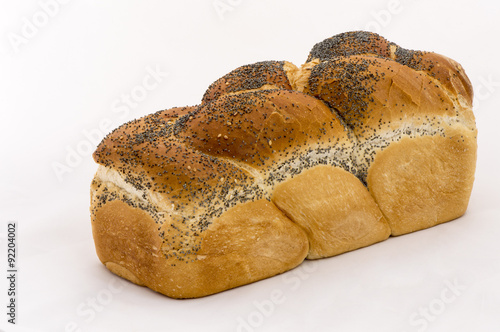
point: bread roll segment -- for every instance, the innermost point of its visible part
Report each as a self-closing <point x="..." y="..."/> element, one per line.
<point x="279" y="163"/>
<point x="448" y="72"/>
<point x="264" y="75"/>
<point x="393" y="97"/>
<point x="423" y="181"/>
<point x="269" y="129"/>
<point x="249" y="242"/>
<point x="352" y="43"/>
<point x="333" y="208"/>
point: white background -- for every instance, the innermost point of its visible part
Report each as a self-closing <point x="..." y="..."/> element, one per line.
<point x="65" y="76"/>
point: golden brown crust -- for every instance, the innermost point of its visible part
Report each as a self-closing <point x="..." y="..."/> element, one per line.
<point x="334" y="209"/>
<point x="446" y="71"/>
<point x="424" y="181"/>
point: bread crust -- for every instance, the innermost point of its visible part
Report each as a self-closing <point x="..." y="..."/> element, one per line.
<point x="333" y="208"/>
<point x="424" y="181"/>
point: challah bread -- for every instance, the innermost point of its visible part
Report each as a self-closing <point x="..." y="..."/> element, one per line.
<point x="278" y="164"/>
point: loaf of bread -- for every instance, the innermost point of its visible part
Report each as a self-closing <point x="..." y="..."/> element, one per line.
<point x="279" y="163"/>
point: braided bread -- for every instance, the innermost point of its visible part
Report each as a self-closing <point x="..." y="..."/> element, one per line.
<point x="279" y="163"/>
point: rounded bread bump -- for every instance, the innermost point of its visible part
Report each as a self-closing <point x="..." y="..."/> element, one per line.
<point x="262" y="75"/>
